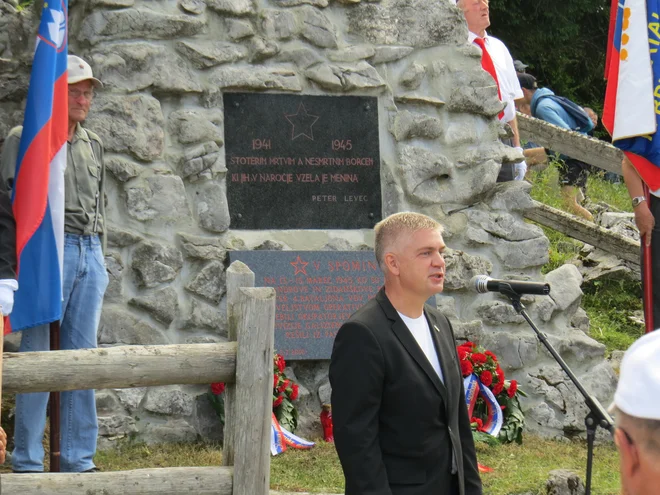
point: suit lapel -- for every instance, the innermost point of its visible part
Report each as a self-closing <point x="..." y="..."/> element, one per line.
<point x="442" y="343"/>
<point x="410" y="344"/>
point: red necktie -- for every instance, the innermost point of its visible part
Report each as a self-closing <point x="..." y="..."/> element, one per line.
<point x="488" y="65"/>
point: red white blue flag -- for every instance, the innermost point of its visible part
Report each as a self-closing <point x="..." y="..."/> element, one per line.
<point x="38" y="194"/>
<point x="632" y="101"/>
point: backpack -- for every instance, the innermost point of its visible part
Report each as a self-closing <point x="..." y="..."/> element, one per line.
<point x="578" y="114"/>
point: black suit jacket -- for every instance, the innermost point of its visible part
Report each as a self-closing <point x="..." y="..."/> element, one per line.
<point x="7" y="237"/>
<point x="398" y="429"/>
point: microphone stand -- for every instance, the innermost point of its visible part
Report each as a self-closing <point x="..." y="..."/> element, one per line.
<point x="597" y="415"/>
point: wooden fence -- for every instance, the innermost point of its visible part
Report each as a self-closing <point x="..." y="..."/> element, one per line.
<point x="245" y="364"/>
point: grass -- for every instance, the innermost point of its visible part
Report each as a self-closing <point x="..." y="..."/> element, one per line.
<point x="609" y="303"/>
<point x="517" y="468"/>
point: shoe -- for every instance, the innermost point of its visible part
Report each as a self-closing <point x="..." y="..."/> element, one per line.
<point x="92" y="470"/>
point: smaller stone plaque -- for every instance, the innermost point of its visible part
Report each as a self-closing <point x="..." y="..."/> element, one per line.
<point x="317" y="291"/>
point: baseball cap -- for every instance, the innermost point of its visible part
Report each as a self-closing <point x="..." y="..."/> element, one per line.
<point x="79" y="70"/>
<point x="638" y="392"/>
<point x="519" y="66"/>
<point x="527" y="81"/>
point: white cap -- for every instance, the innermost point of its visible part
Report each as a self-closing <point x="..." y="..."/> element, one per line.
<point x="638" y="392"/>
<point x="79" y="70"/>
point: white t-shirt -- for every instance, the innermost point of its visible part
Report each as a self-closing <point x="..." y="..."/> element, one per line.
<point x="506" y="73"/>
<point x="419" y="327"/>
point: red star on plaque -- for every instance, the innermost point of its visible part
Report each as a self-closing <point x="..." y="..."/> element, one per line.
<point x="300" y="266"/>
<point x="301" y="123"/>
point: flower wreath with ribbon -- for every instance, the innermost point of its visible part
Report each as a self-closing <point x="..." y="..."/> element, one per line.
<point x="492" y="401"/>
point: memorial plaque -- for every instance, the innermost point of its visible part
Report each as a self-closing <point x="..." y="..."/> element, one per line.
<point x="316" y="292"/>
<point x="301" y="161"/>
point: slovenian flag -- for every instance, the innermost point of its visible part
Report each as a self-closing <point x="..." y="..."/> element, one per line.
<point x="632" y="101"/>
<point x="38" y="194"/>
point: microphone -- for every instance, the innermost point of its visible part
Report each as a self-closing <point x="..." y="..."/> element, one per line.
<point x="483" y="284"/>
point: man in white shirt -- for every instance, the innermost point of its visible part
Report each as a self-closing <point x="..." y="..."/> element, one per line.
<point x="478" y="19"/>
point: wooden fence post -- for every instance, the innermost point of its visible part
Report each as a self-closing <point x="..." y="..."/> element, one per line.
<point x="255" y="309"/>
<point x="238" y="275"/>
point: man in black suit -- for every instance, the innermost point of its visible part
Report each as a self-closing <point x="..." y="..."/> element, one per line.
<point x="398" y="405"/>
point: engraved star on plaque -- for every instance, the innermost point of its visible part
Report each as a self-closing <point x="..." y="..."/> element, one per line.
<point x="302" y="123"/>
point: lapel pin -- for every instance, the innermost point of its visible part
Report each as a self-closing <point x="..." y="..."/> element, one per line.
<point x="436" y="329"/>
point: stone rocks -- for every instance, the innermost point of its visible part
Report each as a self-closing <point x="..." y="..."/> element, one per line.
<point x="343" y="77"/>
<point x="209" y="282"/>
<point x="498" y="313"/>
<point x="409" y="125"/>
<point x="204" y="248"/>
<point x="169" y="401"/>
<point x="118" y="327"/>
<point x="129" y="124"/>
<point x="205" y="420"/>
<point x="565" y="284"/>
<point x="115" y="268"/>
<point x="564" y="482"/>
<point x="413" y="76"/>
<point x="172" y="431"/>
<point x="523" y="254"/>
<point x="159" y="199"/>
<point x="204" y="316"/>
<point x="353" y="53"/>
<point x="262" y="49"/>
<point x="279" y="24"/>
<point x="136" y="66"/>
<point x="386" y="54"/>
<point x="106" y="25"/>
<point x="162" y="304"/>
<point x="212" y="208"/>
<point x="196" y="126"/>
<point x="131" y="398"/>
<point x="237" y="29"/>
<point x="461" y="267"/>
<point x="155" y="263"/>
<point x="205" y="54"/>
<point x="294" y="3"/>
<point x="117" y="426"/>
<point x="416" y="23"/>
<point x="120" y="238"/>
<point x="121" y="168"/>
<point x="254" y="78"/>
<point x="317" y="28"/>
<point x="474" y="92"/>
<point x="232" y="7"/>
<point x="192" y="6"/>
<point x="201" y="158"/>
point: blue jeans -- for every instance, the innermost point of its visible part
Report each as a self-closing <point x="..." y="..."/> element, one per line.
<point x="85" y="281"/>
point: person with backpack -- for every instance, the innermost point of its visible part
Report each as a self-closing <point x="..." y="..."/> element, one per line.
<point x="562" y="112"/>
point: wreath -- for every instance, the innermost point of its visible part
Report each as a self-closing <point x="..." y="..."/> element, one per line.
<point x="284" y="393"/>
<point x="493" y="402"/>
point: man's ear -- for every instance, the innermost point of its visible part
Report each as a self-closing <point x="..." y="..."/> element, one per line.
<point x="392" y="263"/>
<point x="628" y="454"/>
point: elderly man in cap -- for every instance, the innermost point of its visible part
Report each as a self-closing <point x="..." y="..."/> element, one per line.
<point x="637" y="415"/>
<point x="84" y="283"/>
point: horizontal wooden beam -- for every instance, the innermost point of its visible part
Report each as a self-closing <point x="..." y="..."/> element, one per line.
<point x="574" y="144"/>
<point x="625" y="248"/>
<point x="118" y="367"/>
<point x="165" y="481"/>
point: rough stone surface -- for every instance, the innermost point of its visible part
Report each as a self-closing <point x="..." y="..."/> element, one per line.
<point x="239" y="29"/>
<point x="155" y="263"/>
<point x="162" y="304"/>
<point x="302" y="57"/>
<point x="294" y="3"/>
<point x="168" y="400"/>
<point x="564" y="482"/>
<point x="129" y="124"/>
<point x="262" y="49"/>
<point x="413" y="76"/>
<point x="565" y="284"/>
<point x="204" y="248"/>
<point x="523" y="254"/>
<point x="172" y="431"/>
<point x="386" y="54"/>
<point x="115" y="268"/>
<point x="209" y="282"/>
<point x="474" y="92"/>
<point x="255" y="78"/>
<point x="212" y="208"/>
<point x="204" y="316"/>
<point x="344" y="77"/>
<point x="122" y="169"/>
<point x="131" y="398"/>
<point x="205" y="54"/>
<point x="317" y="28"/>
<point x="196" y="126"/>
<point x="279" y="24"/>
<point x="117" y="426"/>
<point x="193" y="6"/>
<point x="205" y="420"/>
<point x="461" y="267"/>
<point x="118" y="327"/>
<point x="352" y="53"/>
<point x="120" y="238"/>
<point x="510" y="196"/>
<point x="232" y="7"/>
<point x="137" y="66"/>
<point x="504" y="225"/>
<point x="409" y="125"/>
<point x="419" y="23"/>
<point x="107" y="25"/>
<point x="160" y="199"/>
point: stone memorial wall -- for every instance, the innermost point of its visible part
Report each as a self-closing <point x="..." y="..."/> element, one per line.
<point x="173" y="152"/>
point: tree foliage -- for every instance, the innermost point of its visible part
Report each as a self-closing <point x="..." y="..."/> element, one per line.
<point x="563" y="42"/>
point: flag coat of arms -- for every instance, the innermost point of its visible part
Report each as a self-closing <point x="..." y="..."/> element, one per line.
<point x="632" y="101"/>
<point x="38" y="193"/>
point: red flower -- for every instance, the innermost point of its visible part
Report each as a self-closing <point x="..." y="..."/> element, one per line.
<point x="469" y="345"/>
<point x="280" y="363"/>
<point x="486" y="378"/>
<point x="479" y="358"/>
<point x="498" y="387"/>
<point x="217" y="388"/>
<point x="513" y="388"/>
<point x="500" y="375"/>
<point x="466" y="368"/>
<point x="480" y="424"/>
<point x="277" y="402"/>
<point x="462" y="353"/>
<point x="294" y="392"/>
<point x="275" y="380"/>
<point x="491" y="355"/>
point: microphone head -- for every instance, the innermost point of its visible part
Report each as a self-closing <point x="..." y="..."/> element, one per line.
<point x="478" y="283"/>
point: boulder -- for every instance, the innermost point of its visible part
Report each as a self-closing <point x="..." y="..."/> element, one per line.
<point x="118" y="327"/>
<point x="212" y="208"/>
<point x="159" y="199"/>
<point x="317" y="28"/>
<point x="162" y="304"/>
<point x="169" y="400"/>
<point x="410" y="125"/>
<point x="154" y="263"/>
<point x="190" y="126"/>
<point x="209" y="282"/>
<point x="345" y="77"/>
<point x="254" y="78"/>
<point x="115" y="268"/>
<point x="204" y="248"/>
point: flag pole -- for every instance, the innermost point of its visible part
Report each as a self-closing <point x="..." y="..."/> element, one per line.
<point x="648" y="274"/>
<point x="54" y="406"/>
